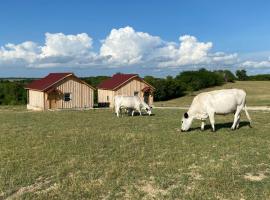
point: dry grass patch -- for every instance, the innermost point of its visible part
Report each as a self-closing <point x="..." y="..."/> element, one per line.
<point x="42" y="185"/>
<point x="255" y="177"/>
<point x="257" y="94"/>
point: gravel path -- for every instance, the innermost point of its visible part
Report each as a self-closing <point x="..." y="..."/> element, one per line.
<point x="257" y="108"/>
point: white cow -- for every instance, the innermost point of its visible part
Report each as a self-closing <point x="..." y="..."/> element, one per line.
<point x="222" y="102"/>
<point x="130" y="103"/>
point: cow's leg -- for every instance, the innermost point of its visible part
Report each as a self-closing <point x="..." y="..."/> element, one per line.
<point x="202" y="126"/>
<point x="117" y="109"/>
<point x="238" y="121"/>
<point x="122" y="111"/>
<point x="132" y="113"/>
<point x="236" y="117"/>
<point x="249" y="119"/>
<point x="138" y="108"/>
<point x="212" y="120"/>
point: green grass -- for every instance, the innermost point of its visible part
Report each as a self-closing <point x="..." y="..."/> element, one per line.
<point x="258" y="94"/>
<point x="94" y="155"/>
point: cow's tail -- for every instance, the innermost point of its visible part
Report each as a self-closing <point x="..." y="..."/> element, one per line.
<point x="246" y="111"/>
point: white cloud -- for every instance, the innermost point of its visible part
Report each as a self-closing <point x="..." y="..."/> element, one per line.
<point x="125" y="46"/>
<point x="66" y="50"/>
<point x="188" y="52"/>
<point x="191" y="51"/>
<point x="122" y="47"/>
<point x="26" y="51"/>
<point x="59" y="50"/>
<point x="59" y="44"/>
<point x="256" y="64"/>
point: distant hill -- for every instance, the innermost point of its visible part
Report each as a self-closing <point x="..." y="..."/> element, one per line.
<point x="258" y="94"/>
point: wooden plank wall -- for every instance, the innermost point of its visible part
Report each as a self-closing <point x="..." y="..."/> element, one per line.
<point x="82" y="96"/>
<point x="134" y="85"/>
<point x="102" y="96"/>
<point x="131" y="87"/>
<point x="36" y="99"/>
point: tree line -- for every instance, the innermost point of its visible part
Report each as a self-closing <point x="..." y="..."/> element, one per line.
<point x="172" y="87"/>
<point x="12" y="92"/>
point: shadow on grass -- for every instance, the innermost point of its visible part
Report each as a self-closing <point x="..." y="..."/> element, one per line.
<point x="136" y="114"/>
<point x="143" y="114"/>
<point x="219" y="126"/>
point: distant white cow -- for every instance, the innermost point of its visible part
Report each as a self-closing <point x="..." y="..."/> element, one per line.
<point x="133" y="103"/>
<point x="222" y="102"/>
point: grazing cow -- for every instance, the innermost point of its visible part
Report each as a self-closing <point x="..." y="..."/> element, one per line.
<point x="222" y="102"/>
<point x="133" y="103"/>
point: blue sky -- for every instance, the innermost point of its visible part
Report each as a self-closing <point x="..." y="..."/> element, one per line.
<point x="220" y="34"/>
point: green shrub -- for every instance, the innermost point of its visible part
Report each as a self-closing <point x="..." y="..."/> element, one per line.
<point x="12" y="92"/>
<point x="196" y="80"/>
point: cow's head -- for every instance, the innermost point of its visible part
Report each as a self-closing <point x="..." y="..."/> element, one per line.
<point x="147" y="108"/>
<point x="186" y="122"/>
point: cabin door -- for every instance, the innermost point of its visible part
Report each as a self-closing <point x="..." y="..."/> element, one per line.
<point x="53" y="104"/>
<point x="53" y="97"/>
<point x="146" y="97"/>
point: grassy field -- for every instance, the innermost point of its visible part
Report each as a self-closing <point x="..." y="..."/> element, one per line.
<point x="94" y="155"/>
<point x="258" y="94"/>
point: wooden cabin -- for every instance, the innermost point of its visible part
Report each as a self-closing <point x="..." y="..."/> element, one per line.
<point x="124" y="84"/>
<point x="59" y="91"/>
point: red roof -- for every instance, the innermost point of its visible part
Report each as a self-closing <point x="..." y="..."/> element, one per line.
<point x="48" y="81"/>
<point x="116" y="81"/>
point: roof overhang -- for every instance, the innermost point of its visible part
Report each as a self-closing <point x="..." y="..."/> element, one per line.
<point x="125" y="82"/>
<point x="48" y="88"/>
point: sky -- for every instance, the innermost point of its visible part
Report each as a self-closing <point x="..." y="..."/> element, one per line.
<point x="150" y="37"/>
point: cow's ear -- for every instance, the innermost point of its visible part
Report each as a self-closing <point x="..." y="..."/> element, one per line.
<point x="186" y="115"/>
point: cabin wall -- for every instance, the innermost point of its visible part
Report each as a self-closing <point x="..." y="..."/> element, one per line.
<point x="82" y="96"/>
<point x="47" y="103"/>
<point x="134" y="86"/>
<point x="128" y="89"/>
<point x="35" y="100"/>
<point x="106" y="96"/>
<point x="131" y="87"/>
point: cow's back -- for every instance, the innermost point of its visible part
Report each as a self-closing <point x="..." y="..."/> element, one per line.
<point x="221" y="101"/>
<point x="127" y="101"/>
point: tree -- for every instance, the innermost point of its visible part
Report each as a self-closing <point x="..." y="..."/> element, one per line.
<point x="196" y="80"/>
<point x="241" y="75"/>
<point x="227" y="75"/>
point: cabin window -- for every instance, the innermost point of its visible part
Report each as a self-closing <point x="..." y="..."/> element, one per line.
<point x="67" y="96"/>
<point x="108" y="98"/>
<point x="136" y="93"/>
